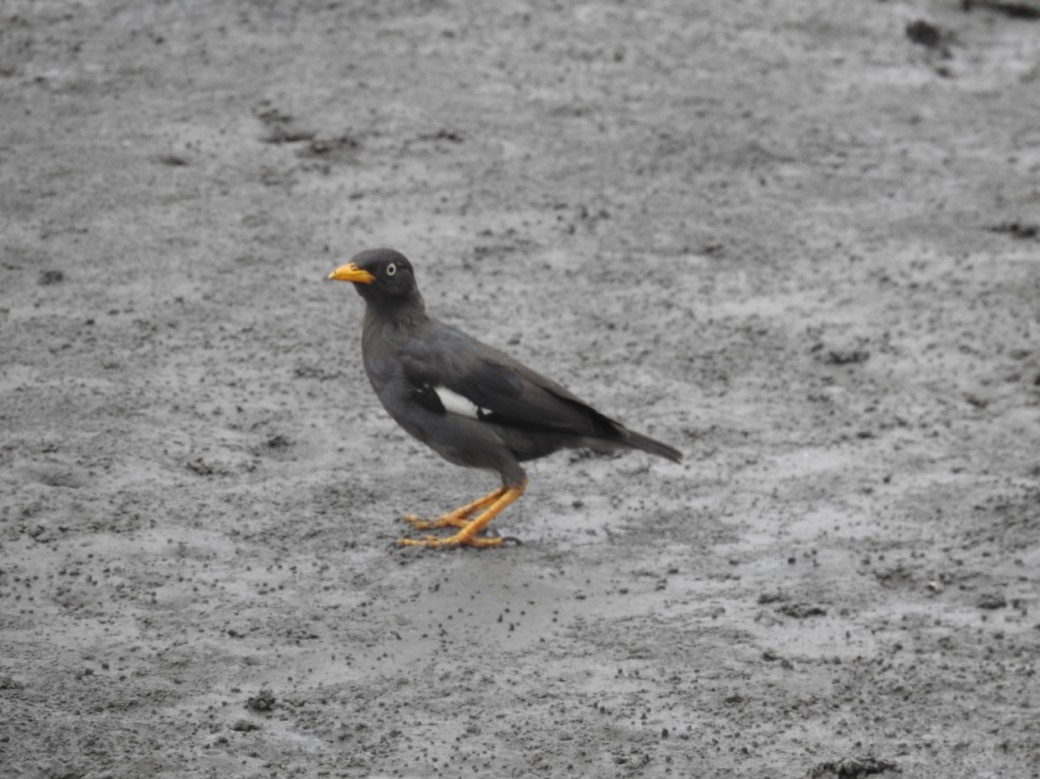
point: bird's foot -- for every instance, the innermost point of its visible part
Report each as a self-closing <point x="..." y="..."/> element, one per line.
<point x="460" y="517"/>
<point x="469" y="529"/>
<point x="459" y="539"/>
<point x="448" y="520"/>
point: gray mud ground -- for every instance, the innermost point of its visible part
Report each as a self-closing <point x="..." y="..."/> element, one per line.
<point x="785" y="237"/>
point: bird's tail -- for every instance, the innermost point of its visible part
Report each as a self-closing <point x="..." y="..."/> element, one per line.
<point x="648" y="444"/>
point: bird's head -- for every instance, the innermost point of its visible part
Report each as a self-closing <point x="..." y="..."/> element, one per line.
<point x="379" y="275"/>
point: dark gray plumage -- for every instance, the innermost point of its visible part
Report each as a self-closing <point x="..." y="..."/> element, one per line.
<point x="469" y="402"/>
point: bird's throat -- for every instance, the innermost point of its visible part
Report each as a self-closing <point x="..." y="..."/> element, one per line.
<point x="395" y="313"/>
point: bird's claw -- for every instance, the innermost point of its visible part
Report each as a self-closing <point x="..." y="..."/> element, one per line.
<point x="453" y="542"/>
<point x="469" y="530"/>
<point x="448" y="520"/>
<point x="430" y="542"/>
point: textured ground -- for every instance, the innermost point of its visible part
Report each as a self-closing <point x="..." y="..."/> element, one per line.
<point x="790" y="238"/>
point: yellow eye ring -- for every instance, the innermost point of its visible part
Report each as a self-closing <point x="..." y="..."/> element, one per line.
<point x="391" y="269"/>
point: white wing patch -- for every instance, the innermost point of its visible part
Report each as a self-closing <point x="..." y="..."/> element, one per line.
<point x="455" y="403"/>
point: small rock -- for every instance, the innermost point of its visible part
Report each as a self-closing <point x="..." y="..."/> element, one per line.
<point x="854" y="768"/>
<point x="802" y="610"/>
<point x="924" y="33"/>
<point x="48" y="277"/>
<point x="263" y="701"/>
<point x="991" y="600"/>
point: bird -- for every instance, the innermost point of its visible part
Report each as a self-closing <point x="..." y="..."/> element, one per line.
<point x="472" y="404"/>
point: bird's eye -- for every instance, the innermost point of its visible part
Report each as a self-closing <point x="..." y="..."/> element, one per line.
<point x="391" y="269"/>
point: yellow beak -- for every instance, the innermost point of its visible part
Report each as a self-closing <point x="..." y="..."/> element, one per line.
<point x="351" y="272"/>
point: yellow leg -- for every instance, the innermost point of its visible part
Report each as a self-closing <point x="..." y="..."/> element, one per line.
<point x="458" y="517"/>
<point x="467" y="535"/>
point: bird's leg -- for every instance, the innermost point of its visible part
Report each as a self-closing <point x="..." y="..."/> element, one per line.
<point x="458" y="517"/>
<point x="467" y="535"/>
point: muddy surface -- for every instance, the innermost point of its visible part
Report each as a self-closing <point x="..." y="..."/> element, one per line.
<point x="797" y="241"/>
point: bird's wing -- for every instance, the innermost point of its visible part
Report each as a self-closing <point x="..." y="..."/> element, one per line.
<point x="448" y="371"/>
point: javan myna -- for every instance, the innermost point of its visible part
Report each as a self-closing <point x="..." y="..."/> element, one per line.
<point x="469" y="402"/>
